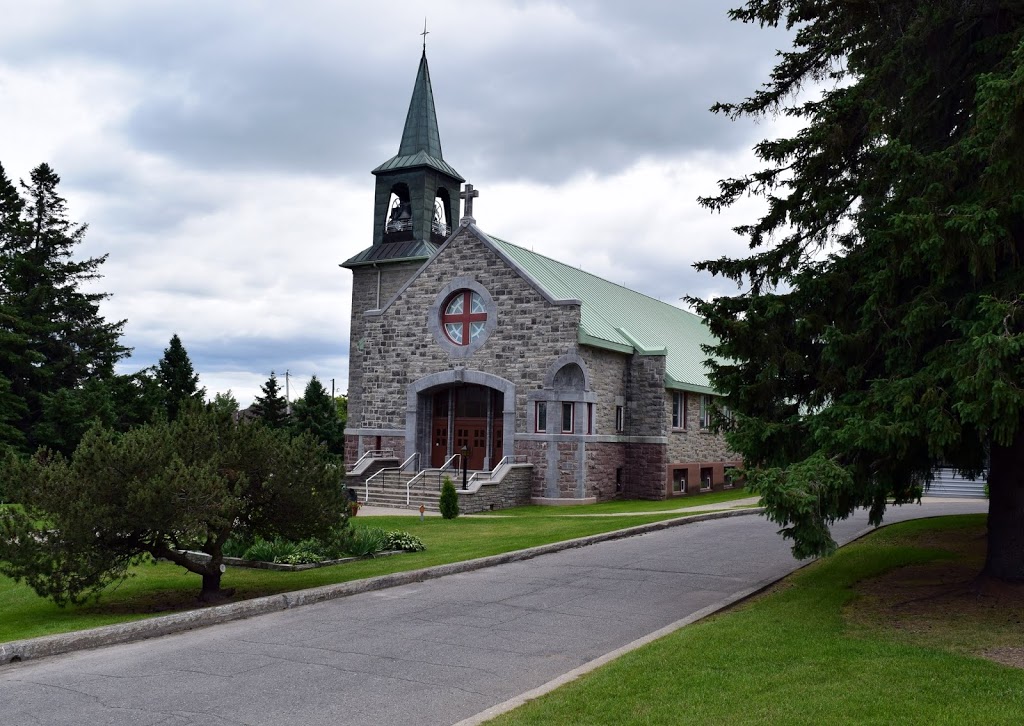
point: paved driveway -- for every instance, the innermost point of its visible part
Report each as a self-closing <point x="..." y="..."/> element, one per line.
<point x="430" y="653"/>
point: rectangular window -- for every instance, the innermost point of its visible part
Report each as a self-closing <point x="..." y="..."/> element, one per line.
<point x="706" y="474"/>
<point x="705" y="411"/>
<point x="590" y="418"/>
<point x="679" y="481"/>
<point x="679" y="410"/>
<point x="568" y="418"/>
<point x="620" y="423"/>
<point x="541" y="417"/>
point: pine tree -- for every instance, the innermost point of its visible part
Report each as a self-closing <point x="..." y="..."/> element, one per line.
<point x="881" y="331"/>
<point x="179" y="382"/>
<point x="316" y="414"/>
<point x="53" y="336"/>
<point x="271" y="407"/>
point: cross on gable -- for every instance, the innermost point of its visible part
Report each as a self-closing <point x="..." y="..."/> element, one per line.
<point x="468" y="194"/>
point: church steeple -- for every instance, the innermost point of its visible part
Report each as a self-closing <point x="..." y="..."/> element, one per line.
<point x="416" y="205"/>
<point x="420" y="132"/>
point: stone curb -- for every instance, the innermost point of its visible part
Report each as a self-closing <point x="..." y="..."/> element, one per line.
<point x="50" y="645"/>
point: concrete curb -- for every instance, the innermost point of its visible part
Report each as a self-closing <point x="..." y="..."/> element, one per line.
<point x="50" y="645"/>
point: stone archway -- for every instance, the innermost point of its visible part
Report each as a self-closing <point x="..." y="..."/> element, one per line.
<point x="464" y="395"/>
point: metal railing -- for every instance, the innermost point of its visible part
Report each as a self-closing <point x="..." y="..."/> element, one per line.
<point x="373" y="454"/>
<point x="382" y="473"/>
<point x="483" y="476"/>
<point x="422" y="476"/>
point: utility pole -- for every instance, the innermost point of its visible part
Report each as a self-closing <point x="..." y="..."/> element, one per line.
<point x="332" y="389"/>
<point x="287" y="397"/>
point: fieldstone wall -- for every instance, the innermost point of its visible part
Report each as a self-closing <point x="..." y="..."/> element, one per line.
<point x="400" y="348"/>
<point x="364" y="297"/>
<point x="607" y="380"/>
<point x="604" y="462"/>
<point x="512" y="490"/>
<point x="693" y="443"/>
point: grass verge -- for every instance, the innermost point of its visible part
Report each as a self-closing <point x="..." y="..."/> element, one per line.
<point x="161" y="588"/>
<point x="624" y="506"/>
<point x="812" y="651"/>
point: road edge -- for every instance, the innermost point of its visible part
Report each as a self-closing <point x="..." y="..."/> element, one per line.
<point x="19" y="651"/>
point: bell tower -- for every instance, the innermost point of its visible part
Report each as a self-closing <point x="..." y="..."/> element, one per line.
<point x="416" y="204"/>
<point x="415" y="209"/>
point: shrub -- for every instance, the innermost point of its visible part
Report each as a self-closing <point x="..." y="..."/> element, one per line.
<point x="365" y="541"/>
<point x="403" y="541"/>
<point x="449" y="504"/>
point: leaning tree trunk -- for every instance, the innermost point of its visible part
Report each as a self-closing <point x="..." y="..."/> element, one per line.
<point x="1005" y="558"/>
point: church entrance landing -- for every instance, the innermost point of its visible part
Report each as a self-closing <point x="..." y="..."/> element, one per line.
<point x="467" y="417"/>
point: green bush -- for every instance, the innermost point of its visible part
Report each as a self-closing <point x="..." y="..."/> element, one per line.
<point x="449" y="504"/>
<point x="404" y="541"/>
<point x="365" y="541"/>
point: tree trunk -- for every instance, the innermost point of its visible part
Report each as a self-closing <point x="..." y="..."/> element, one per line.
<point x="1005" y="558"/>
<point x="211" y="587"/>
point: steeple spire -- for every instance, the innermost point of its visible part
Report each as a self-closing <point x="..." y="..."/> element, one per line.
<point x="420" y="132"/>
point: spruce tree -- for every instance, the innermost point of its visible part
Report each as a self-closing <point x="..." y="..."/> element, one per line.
<point x="271" y="407"/>
<point x="879" y="330"/>
<point x="53" y="336"/>
<point x="180" y="384"/>
<point x="316" y="414"/>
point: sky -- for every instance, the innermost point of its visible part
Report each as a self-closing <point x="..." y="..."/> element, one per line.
<point x="221" y="152"/>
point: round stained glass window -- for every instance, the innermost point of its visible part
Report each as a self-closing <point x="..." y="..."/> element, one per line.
<point x="464" y="317"/>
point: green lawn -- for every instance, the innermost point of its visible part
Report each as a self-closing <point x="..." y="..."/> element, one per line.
<point x="623" y="506"/>
<point x="162" y="587"/>
<point x="790" y="657"/>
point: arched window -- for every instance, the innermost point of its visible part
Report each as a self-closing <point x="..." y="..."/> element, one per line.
<point x="464" y="317"/>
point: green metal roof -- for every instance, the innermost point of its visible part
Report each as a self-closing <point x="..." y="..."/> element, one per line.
<point x="393" y="252"/>
<point x="617" y="318"/>
<point x="421" y="141"/>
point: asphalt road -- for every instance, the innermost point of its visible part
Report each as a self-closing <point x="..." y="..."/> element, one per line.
<point x="435" y="652"/>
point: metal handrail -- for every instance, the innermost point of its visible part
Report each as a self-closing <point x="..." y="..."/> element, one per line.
<point x="490" y="474"/>
<point x="400" y="468"/>
<point x="415" y="455"/>
<point x="374" y="454"/>
<point x="423" y="475"/>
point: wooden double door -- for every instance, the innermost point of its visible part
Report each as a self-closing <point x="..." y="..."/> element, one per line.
<point x="467" y="417"/>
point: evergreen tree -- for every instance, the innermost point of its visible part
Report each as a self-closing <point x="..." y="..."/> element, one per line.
<point x="159" y="489"/>
<point x="225" y="404"/>
<point x="271" y="407"/>
<point x="316" y="414"/>
<point x="881" y="331"/>
<point x="448" y="504"/>
<point x="53" y="336"/>
<point x="179" y="382"/>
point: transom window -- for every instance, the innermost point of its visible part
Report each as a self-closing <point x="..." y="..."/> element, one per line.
<point x="464" y="317"/>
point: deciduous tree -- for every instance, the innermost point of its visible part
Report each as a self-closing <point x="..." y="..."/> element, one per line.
<point x="879" y="330"/>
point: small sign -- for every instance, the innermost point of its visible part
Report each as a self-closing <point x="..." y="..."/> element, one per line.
<point x="422" y="510"/>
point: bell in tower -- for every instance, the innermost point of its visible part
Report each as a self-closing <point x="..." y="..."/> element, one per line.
<point x="416" y="204"/>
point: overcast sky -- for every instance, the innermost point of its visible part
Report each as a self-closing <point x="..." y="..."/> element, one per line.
<point x="221" y="152"/>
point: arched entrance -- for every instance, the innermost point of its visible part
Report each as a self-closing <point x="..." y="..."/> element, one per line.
<point x="471" y="417"/>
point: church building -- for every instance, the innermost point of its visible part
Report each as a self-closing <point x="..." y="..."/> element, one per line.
<point x="542" y="382"/>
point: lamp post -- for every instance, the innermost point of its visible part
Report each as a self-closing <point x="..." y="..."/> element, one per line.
<point x="465" y="465"/>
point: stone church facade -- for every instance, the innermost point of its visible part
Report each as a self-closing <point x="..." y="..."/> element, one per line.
<point x="468" y="349"/>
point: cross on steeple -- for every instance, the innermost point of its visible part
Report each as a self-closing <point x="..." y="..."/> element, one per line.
<point x="468" y="194"/>
<point x="425" y="33"/>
